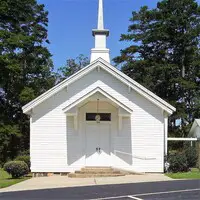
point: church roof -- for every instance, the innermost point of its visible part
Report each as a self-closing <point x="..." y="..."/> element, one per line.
<point x="101" y="63"/>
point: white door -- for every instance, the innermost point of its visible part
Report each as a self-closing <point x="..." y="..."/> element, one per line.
<point x="98" y="144"/>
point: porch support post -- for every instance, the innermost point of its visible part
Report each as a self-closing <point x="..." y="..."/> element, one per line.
<point x="120" y="123"/>
<point x="198" y="153"/>
<point x="165" y="132"/>
<point x="75" y="122"/>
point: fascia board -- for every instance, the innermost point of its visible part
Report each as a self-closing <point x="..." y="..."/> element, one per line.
<point x="146" y="95"/>
<point x="137" y="85"/>
<point x="58" y="87"/>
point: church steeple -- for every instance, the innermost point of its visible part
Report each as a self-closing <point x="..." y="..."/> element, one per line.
<point x="100" y="35"/>
<point x="100" y="25"/>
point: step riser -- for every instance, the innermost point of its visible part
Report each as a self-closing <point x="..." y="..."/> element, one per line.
<point x="93" y="175"/>
<point x="99" y="172"/>
<point x="96" y="169"/>
<point x="90" y="172"/>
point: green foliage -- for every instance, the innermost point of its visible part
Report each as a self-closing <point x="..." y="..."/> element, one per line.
<point x="16" y="168"/>
<point x="164" y="56"/>
<point x="25" y="69"/>
<point x="27" y="94"/>
<point x="193" y="174"/>
<point x="191" y="155"/>
<point x="72" y="66"/>
<point x="178" y="162"/>
<point x="9" y="136"/>
<point x="183" y="149"/>
<point x="24" y="158"/>
<point x="24" y="153"/>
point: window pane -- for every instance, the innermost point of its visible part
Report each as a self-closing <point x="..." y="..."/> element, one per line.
<point x="104" y="116"/>
<point x="90" y="116"/>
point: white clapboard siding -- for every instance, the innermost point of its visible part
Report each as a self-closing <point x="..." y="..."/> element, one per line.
<point x="56" y="146"/>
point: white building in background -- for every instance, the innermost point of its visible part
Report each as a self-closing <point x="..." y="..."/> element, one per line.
<point x="98" y="117"/>
<point x="195" y="129"/>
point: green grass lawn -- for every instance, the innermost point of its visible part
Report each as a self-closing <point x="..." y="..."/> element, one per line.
<point x="6" y="180"/>
<point x="193" y="174"/>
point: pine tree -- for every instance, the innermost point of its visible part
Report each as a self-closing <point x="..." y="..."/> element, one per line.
<point x="72" y="66"/>
<point x="164" y="56"/>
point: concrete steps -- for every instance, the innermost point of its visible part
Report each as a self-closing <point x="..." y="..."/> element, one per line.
<point x="90" y="172"/>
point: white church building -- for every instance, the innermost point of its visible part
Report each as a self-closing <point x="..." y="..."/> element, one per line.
<point x="98" y="117"/>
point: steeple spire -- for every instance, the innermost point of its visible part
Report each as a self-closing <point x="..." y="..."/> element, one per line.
<point x="100" y="16"/>
<point x="100" y="35"/>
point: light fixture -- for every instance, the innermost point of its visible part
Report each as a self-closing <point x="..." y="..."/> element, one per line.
<point x="98" y="117"/>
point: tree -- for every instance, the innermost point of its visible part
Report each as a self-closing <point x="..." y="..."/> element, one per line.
<point x="26" y="69"/>
<point x="72" y="66"/>
<point x="164" y="56"/>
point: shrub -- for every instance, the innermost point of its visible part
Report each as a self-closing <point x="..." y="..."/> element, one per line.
<point x="24" y="158"/>
<point x="1" y="164"/>
<point x="178" y="162"/>
<point x="24" y="153"/>
<point x="16" y="168"/>
<point x="191" y="155"/>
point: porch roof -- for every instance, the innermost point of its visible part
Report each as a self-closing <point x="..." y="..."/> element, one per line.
<point x="82" y="98"/>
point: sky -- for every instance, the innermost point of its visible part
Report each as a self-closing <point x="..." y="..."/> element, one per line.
<point x="71" y="23"/>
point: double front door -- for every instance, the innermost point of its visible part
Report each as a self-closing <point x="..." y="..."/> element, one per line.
<point x="97" y="144"/>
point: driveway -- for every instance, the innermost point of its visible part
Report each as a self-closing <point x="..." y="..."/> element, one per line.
<point x="63" y="181"/>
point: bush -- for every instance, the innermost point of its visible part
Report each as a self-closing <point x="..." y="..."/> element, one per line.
<point x="24" y="153"/>
<point x="24" y="158"/>
<point x="1" y="164"/>
<point x="16" y="168"/>
<point x="178" y="162"/>
<point x="191" y="155"/>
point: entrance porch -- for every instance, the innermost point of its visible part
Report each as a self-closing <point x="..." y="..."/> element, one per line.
<point x="98" y="126"/>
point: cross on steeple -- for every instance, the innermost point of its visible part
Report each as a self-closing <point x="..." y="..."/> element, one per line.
<point x="100" y="35"/>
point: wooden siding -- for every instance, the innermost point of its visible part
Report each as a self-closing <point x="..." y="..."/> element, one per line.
<point x="53" y="135"/>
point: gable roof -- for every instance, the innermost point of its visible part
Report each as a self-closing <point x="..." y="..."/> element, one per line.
<point x="195" y="124"/>
<point x="101" y="63"/>
<point x="197" y="121"/>
<point x="90" y="93"/>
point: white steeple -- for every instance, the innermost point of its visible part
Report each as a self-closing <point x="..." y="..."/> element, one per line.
<point x="100" y="35"/>
<point x="100" y="16"/>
